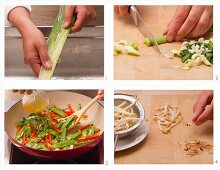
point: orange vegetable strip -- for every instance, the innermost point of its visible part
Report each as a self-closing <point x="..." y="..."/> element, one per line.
<point x="85" y="127"/>
<point x="70" y="108"/>
<point x="18" y="129"/>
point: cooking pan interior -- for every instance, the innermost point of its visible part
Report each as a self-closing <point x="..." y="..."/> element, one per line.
<point x="61" y="99"/>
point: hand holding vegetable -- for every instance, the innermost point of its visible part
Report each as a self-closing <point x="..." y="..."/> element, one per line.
<point x="85" y="14"/>
<point x="203" y="108"/>
<point x="34" y="44"/>
<point x="190" y="21"/>
<point x="122" y="10"/>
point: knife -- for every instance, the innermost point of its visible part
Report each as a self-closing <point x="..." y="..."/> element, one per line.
<point x="139" y="22"/>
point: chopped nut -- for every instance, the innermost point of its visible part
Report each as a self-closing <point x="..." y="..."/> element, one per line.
<point x="197" y="147"/>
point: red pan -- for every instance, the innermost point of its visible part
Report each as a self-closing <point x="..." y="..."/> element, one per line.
<point x="61" y="99"/>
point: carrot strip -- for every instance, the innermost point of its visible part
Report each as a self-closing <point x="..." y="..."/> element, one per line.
<point x="97" y="130"/>
<point x="56" y="129"/>
<point x="85" y="127"/>
<point x="86" y="138"/>
<point x="85" y="116"/>
<point x="49" y="138"/>
<point x="24" y="138"/>
<point x="70" y="108"/>
<point x="18" y="129"/>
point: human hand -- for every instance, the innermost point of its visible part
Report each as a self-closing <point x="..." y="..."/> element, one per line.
<point x="22" y="91"/>
<point x="101" y="94"/>
<point x="189" y="21"/>
<point x="121" y="10"/>
<point x="203" y="108"/>
<point x="84" y="13"/>
<point x="35" y="50"/>
<point x="34" y="44"/>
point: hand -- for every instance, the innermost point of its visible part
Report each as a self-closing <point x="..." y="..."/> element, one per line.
<point x="23" y="91"/>
<point x="34" y="44"/>
<point x="84" y="13"/>
<point x="122" y="10"/>
<point x="35" y="50"/>
<point x="190" y="21"/>
<point x="101" y="94"/>
<point x="203" y="108"/>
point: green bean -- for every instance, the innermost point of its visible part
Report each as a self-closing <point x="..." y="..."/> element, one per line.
<point x="79" y="106"/>
<point x="63" y="134"/>
<point x="53" y="132"/>
<point x="59" y="124"/>
<point x="20" y="133"/>
<point x="85" y="132"/>
<point x="20" y="123"/>
<point x="69" y="119"/>
<point x="63" y="144"/>
<point x="91" y="130"/>
<point x="82" y="143"/>
<point x="40" y="146"/>
<point x="58" y="111"/>
<point x="75" y="136"/>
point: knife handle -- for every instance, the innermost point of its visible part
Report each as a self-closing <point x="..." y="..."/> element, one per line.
<point x="132" y="7"/>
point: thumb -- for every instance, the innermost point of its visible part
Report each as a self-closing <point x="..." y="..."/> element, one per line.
<point x="68" y="15"/>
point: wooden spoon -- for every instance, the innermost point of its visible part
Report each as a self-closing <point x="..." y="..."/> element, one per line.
<point x="82" y="111"/>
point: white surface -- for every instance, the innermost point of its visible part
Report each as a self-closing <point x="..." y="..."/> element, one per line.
<point x="133" y="139"/>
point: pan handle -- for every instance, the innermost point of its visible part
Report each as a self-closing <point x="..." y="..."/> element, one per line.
<point x="131" y="95"/>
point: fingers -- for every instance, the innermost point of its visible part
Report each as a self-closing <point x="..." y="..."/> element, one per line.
<point x="203" y="25"/>
<point x="190" y="22"/>
<point x="101" y="94"/>
<point x="29" y="91"/>
<point x="177" y="21"/>
<point x="43" y="54"/>
<point x="116" y="9"/>
<point x="23" y="91"/>
<point x="204" y="99"/>
<point x="207" y="114"/>
<point x="69" y="11"/>
<point x="36" y="68"/>
<point x="84" y="15"/>
<point x="123" y="10"/>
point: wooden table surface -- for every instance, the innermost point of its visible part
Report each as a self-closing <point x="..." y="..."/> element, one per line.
<point x="150" y="65"/>
<point x="159" y="148"/>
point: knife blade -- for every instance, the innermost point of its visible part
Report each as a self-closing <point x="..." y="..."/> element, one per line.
<point x="139" y="22"/>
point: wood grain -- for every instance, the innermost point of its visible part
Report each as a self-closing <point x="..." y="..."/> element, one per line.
<point x="150" y="65"/>
<point x="159" y="148"/>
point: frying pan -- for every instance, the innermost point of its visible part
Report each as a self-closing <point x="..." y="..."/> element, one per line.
<point x="61" y="99"/>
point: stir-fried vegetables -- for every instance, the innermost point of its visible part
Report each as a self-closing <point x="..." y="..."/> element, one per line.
<point x="196" y="147"/>
<point x="50" y="130"/>
<point x="195" y="53"/>
<point x="167" y="117"/>
<point x="124" y="116"/>
<point x="124" y="47"/>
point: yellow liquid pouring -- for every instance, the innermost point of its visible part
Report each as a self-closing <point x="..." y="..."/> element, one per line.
<point x="35" y="105"/>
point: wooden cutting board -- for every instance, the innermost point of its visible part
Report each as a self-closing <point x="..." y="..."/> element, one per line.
<point x="159" y="148"/>
<point x="150" y="65"/>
